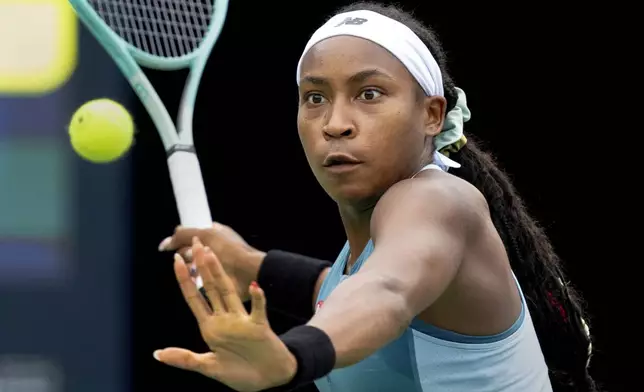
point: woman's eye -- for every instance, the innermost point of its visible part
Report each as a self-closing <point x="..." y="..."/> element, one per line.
<point x="370" y="94"/>
<point x="315" y="99"/>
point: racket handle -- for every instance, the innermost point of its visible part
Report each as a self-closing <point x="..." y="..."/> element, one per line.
<point x="189" y="190"/>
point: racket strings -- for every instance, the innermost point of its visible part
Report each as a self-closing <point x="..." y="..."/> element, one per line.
<point x="163" y="28"/>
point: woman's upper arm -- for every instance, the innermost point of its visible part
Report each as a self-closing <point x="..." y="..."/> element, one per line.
<point x="421" y="228"/>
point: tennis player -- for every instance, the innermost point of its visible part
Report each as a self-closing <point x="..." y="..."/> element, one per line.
<point x="445" y="283"/>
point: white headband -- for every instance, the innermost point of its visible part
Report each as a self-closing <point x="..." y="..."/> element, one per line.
<point x="393" y="36"/>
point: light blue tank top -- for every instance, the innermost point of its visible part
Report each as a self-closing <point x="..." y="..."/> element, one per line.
<point x="429" y="359"/>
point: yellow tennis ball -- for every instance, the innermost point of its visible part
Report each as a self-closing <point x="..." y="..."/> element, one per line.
<point x="101" y="131"/>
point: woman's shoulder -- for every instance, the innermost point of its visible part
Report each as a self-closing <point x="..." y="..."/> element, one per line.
<point x="436" y="194"/>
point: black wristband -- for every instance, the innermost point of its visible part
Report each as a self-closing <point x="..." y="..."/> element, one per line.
<point x="314" y="352"/>
<point x="289" y="280"/>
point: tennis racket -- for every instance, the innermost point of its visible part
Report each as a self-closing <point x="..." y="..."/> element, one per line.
<point x="165" y="35"/>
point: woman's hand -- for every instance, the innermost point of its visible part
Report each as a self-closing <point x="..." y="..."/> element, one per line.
<point x="240" y="261"/>
<point x="246" y="354"/>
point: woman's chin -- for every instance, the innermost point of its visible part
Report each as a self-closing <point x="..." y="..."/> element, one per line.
<point x="354" y="195"/>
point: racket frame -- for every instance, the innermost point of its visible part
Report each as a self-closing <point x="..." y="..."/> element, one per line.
<point x="178" y="141"/>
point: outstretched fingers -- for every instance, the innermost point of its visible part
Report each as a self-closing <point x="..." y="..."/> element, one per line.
<point x="214" y="276"/>
<point x="200" y="254"/>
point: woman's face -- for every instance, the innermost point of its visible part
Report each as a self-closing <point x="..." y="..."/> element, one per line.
<point x="363" y="120"/>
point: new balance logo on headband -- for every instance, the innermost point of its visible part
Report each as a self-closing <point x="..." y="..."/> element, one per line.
<point x="352" y="21"/>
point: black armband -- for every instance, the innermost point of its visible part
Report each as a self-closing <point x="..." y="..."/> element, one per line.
<point x="314" y="352"/>
<point x="289" y="280"/>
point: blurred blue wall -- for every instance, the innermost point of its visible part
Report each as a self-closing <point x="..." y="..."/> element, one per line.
<point x="64" y="228"/>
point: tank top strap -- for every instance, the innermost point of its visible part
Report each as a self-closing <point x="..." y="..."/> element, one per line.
<point x="366" y="252"/>
<point x="440" y="162"/>
<point x="337" y="272"/>
<point x="334" y="276"/>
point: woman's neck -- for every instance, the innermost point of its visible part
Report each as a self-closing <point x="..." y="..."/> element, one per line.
<point x="357" y="228"/>
<point x="356" y="218"/>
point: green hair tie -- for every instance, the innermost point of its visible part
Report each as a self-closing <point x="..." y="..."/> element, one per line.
<point x="451" y="138"/>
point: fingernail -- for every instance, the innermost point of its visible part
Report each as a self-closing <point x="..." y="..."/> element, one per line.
<point x="164" y="244"/>
<point x="206" y="249"/>
<point x="195" y="240"/>
<point x="188" y="254"/>
<point x="156" y="355"/>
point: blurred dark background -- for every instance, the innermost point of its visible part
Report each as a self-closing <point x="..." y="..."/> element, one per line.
<point x="91" y="315"/>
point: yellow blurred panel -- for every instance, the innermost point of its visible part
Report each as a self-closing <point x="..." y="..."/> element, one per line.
<point x="38" y="45"/>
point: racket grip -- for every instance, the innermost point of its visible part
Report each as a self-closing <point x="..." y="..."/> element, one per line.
<point x="189" y="190"/>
